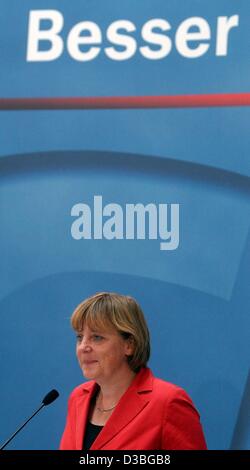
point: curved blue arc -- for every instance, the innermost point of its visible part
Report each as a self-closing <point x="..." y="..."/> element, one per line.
<point x="136" y="162"/>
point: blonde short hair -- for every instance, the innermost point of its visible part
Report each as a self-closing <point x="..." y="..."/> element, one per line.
<point x="105" y="310"/>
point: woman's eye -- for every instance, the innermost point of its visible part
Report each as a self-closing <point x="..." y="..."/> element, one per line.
<point x="97" y="337"/>
<point x="78" y="338"/>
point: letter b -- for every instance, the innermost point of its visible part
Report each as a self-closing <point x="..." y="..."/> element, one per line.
<point x="35" y="35"/>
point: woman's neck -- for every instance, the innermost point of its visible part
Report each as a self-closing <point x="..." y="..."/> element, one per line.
<point x="111" y="391"/>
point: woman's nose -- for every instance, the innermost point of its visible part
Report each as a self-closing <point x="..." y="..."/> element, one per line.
<point x="84" y="345"/>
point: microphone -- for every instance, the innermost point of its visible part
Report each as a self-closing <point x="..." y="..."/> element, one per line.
<point x="49" y="398"/>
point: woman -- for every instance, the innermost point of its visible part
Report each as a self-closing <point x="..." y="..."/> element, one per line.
<point x="123" y="406"/>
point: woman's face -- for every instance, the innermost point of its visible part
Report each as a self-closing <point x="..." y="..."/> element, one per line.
<point x="102" y="355"/>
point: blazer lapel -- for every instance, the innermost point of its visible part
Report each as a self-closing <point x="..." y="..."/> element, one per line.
<point x="82" y="411"/>
<point x="131" y="403"/>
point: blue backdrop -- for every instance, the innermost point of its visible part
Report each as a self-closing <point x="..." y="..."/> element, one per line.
<point x="195" y="298"/>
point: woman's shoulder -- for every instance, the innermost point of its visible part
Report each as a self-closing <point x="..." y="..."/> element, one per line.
<point x="164" y="388"/>
<point x="146" y="376"/>
<point x="169" y="388"/>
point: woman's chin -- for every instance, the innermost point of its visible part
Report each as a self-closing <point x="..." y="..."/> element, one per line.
<point x="89" y="374"/>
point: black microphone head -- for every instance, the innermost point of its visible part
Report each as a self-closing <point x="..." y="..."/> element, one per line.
<point x="50" y="397"/>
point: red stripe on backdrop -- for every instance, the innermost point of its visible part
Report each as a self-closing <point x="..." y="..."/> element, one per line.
<point x="127" y="102"/>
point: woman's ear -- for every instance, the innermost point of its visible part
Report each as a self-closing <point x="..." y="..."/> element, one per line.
<point x="130" y="346"/>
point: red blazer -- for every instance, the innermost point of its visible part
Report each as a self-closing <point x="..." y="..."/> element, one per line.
<point x="152" y="414"/>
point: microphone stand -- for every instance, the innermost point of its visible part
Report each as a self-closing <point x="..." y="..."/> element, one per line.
<point x="21" y="427"/>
